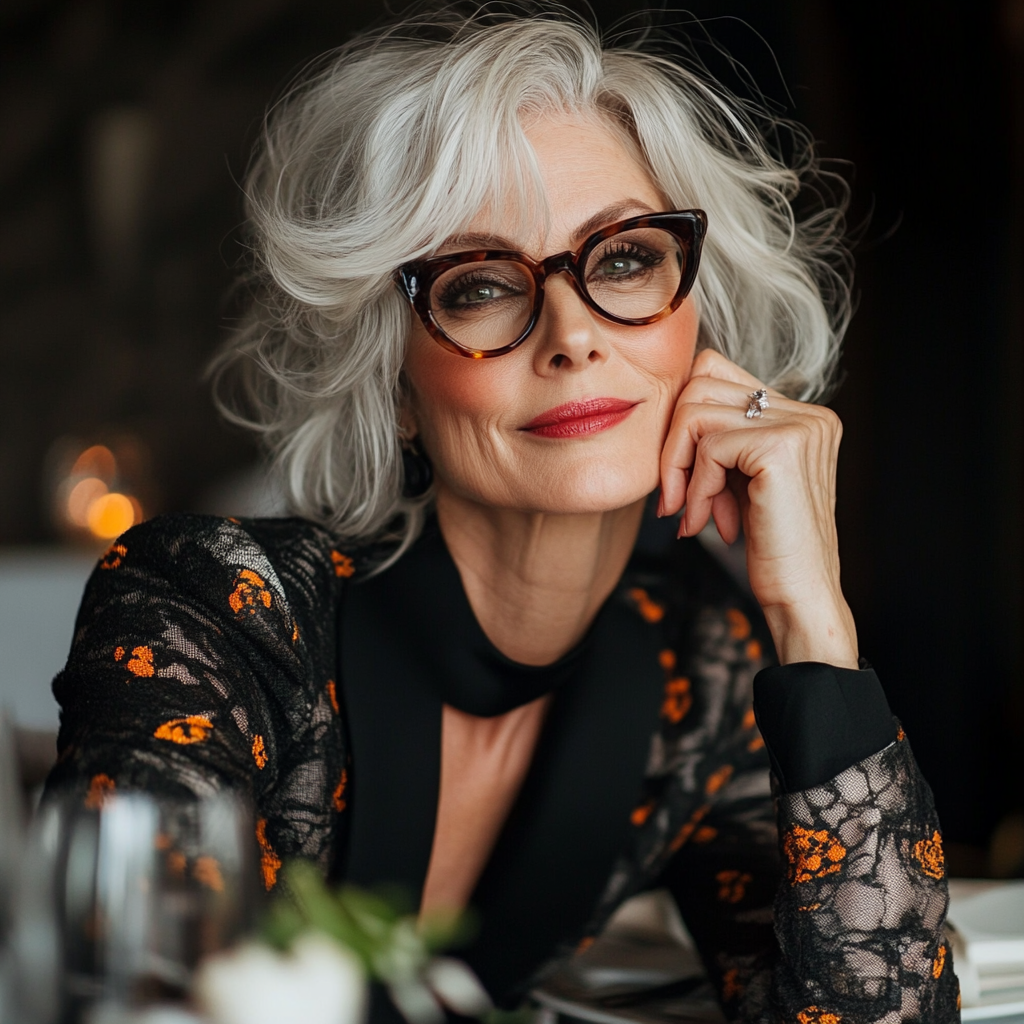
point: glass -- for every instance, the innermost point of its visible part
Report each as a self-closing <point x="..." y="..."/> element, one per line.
<point x="120" y="902"/>
<point x="484" y="303"/>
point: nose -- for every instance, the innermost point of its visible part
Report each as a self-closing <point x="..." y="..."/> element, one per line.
<point x="569" y="334"/>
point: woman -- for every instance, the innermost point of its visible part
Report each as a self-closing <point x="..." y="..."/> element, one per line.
<point x="480" y="345"/>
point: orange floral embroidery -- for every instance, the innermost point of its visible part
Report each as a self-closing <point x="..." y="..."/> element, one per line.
<point x="739" y="624"/>
<point x="705" y="834"/>
<point x="332" y="693"/>
<point x="100" y="787"/>
<point x="270" y="863"/>
<point x="113" y="555"/>
<point x="688" y="829"/>
<point x="118" y="653"/>
<point x="650" y="610"/>
<point x="206" y="871"/>
<point x="732" y="885"/>
<point x="811" y="854"/>
<point x="141" y="661"/>
<point x="901" y="735"/>
<point x="753" y="650"/>
<point x="249" y="589"/>
<point x="343" y="565"/>
<point x="930" y="856"/>
<point x="810" y="906"/>
<point x="812" y="1015"/>
<point x="259" y="752"/>
<point x="339" y="792"/>
<point x="939" y="963"/>
<point x="193" y="729"/>
<point x="642" y="813"/>
<point x="667" y="659"/>
<point x="678" y="700"/>
<point x="295" y="632"/>
<point x="718" y="778"/>
<point x="732" y="987"/>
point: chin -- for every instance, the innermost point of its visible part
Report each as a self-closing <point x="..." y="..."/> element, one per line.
<point x="598" y="489"/>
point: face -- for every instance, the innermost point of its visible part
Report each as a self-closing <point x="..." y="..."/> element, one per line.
<point x="574" y="419"/>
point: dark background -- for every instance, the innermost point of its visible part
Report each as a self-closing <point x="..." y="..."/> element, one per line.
<point x="110" y="307"/>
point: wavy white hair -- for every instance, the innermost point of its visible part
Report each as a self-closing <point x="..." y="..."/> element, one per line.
<point x="394" y="142"/>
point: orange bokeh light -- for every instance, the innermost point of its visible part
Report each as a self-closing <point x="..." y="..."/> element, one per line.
<point x="98" y="461"/>
<point x="110" y="515"/>
<point x="81" y="499"/>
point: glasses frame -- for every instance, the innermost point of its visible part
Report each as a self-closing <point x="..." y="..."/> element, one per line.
<point x="416" y="278"/>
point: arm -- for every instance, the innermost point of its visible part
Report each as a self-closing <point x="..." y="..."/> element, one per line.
<point x="859" y="891"/>
<point x="200" y="663"/>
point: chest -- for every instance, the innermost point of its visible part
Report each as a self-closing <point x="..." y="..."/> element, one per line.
<point x="531" y="825"/>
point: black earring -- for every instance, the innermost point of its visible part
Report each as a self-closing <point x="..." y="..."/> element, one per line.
<point x="418" y="472"/>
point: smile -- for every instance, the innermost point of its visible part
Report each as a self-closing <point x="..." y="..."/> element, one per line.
<point x="577" y="419"/>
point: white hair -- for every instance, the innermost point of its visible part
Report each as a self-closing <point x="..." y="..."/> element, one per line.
<point x="397" y="140"/>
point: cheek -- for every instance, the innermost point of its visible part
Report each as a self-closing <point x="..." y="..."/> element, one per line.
<point x="666" y="353"/>
<point x="449" y="393"/>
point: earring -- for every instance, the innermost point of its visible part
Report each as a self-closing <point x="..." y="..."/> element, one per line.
<point x="417" y="471"/>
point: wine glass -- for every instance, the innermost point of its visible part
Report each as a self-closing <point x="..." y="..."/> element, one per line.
<point x="127" y="896"/>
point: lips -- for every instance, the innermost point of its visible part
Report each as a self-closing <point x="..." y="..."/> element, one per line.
<point x="577" y="419"/>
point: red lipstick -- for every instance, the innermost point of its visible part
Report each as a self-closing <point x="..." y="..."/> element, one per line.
<point x="577" y="419"/>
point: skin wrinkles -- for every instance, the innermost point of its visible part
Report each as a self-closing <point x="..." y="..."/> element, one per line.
<point x="540" y="528"/>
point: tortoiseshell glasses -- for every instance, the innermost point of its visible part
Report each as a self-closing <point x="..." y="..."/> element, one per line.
<point x="484" y="303"/>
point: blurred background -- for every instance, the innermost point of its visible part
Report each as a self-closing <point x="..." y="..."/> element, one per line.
<point x="125" y="128"/>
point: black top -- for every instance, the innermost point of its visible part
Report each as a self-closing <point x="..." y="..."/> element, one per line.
<point x="411" y="642"/>
<point x="206" y="655"/>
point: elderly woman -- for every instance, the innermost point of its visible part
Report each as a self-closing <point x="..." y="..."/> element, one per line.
<point x="483" y="665"/>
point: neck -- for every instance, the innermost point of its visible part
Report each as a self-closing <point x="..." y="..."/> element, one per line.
<point x="536" y="581"/>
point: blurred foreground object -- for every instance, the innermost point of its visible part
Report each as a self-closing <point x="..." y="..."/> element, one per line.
<point x="388" y="940"/>
<point x="120" y="896"/>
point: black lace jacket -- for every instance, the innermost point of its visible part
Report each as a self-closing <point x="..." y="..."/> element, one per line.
<point x="205" y="657"/>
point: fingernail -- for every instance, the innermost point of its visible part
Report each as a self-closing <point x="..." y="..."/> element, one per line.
<point x="661" y="505"/>
<point x="682" y="528"/>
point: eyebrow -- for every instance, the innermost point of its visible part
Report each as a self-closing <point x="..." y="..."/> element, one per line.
<point x="609" y="215"/>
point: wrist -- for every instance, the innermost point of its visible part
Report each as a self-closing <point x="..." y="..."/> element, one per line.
<point x="822" y="631"/>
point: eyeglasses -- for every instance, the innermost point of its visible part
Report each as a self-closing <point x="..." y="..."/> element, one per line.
<point x="485" y="303"/>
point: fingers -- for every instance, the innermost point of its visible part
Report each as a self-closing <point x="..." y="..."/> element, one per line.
<point x="707" y="492"/>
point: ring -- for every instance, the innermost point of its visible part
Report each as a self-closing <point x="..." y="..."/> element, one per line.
<point x="758" y="403"/>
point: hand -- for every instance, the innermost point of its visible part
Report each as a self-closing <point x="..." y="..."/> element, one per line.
<point x="777" y="475"/>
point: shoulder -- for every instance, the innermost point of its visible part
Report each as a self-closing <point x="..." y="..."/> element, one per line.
<point x="275" y="571"/>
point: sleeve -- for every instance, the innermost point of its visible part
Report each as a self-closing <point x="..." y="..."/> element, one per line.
<point x="198" y="664"/>
<point x="827" y="906"/>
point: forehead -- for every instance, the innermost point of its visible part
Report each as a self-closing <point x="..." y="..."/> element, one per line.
<point x="583" y="166"/>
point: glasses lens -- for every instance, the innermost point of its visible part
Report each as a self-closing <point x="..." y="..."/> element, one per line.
<point x="635" y="274"/>
<point x="484" y="305"/>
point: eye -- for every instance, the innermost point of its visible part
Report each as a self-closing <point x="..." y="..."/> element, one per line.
<point x="486" y="287"/>
<point x="622" y="261"/>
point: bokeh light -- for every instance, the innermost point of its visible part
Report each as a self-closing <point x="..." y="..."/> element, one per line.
<point x="96" y="488"/>
<point x="110" y="515"/>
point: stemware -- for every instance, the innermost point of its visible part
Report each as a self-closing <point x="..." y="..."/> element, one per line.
<point x="122" y="897"/>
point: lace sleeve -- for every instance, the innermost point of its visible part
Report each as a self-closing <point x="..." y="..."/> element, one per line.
<point x="200" y="663"/>
<point x="860" y="910"/>
<point x="845" y="927"/>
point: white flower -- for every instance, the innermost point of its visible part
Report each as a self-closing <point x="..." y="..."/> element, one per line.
<point x="318" y="982"/>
